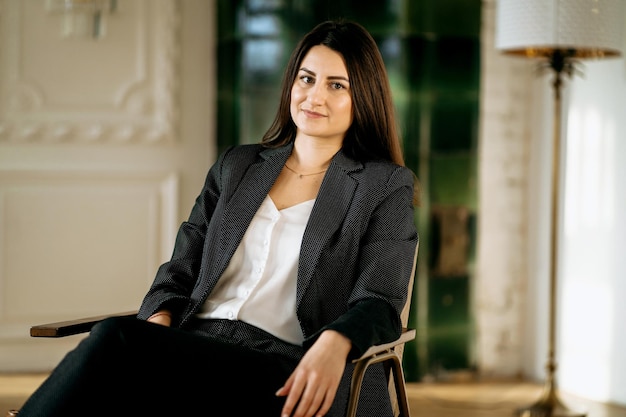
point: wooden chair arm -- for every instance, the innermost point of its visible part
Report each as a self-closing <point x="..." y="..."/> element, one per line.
<point x="72" y="327"/>
<point x="384" y="353"/>
<point x="84" y="325"/>
<point x="405" y="336"/>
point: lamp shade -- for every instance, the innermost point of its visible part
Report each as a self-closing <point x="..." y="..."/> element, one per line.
<point x="581" y="28"/>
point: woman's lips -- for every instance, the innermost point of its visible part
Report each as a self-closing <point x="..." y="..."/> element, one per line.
<point x="313" y="114"/>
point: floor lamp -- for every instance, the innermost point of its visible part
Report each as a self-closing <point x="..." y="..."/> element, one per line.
<point x="558" y="33"/>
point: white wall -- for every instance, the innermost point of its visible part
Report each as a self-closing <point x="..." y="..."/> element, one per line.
<point x="592" y="313"/>
<point x="499" y="290"/>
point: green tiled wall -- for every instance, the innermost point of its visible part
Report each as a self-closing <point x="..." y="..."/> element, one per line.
<point x="432" y="52"/>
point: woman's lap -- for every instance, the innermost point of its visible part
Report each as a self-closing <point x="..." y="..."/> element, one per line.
<point x="132" y="367"/>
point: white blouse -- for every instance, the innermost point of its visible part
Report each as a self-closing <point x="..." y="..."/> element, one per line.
<point x="259" y="284"/>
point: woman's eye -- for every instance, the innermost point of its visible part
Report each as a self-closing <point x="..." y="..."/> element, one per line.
<point x="336" y="86"/>
<point x="306" y="79"/>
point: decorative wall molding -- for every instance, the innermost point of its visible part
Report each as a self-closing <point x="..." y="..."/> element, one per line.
<point x="93" y="238"/>
<point x="50" y="90"/>
<point x="94" y="174"/>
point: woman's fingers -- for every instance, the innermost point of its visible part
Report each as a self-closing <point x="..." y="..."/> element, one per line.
<point x="293" y="389"/>
<point x="312" y="386"/>
<point x="308" y="396"/>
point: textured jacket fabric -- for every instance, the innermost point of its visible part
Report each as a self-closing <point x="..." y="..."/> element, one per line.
<point x="355" y="260"/>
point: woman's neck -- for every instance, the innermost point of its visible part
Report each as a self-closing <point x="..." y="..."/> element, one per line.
<point x="313" y="155"/>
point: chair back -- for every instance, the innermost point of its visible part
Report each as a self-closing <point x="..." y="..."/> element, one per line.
<point x="404" y="318"/>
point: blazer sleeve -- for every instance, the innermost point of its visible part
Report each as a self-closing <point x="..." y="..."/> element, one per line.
<point x="385" y="263"/>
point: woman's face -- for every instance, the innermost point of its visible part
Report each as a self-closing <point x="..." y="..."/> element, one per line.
<point x="321" y="102"/>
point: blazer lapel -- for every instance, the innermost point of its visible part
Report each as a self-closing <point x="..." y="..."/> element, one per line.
<point x="246" y="200"/>
<point x="238" y="212"/>
<point x="331" y="206"/>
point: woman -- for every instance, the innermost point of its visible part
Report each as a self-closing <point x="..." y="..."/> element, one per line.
<point x="295" y="259"/>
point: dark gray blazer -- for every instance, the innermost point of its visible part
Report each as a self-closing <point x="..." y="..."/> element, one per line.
<point x="356" y="255"/>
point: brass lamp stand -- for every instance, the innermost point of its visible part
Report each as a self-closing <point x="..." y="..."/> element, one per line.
<point x="559" y="32"/>
<point x="549" y="404"/>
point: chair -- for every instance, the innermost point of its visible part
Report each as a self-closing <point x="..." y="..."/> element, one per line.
<point x="389" y="353"/>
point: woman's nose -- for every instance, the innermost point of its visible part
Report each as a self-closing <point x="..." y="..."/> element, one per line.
<point x="317" y="94"/>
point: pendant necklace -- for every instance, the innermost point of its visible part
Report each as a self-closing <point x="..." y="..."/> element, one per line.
<point x="304" y="175"/>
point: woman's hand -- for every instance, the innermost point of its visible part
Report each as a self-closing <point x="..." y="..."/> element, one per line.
<point x="163" y="317"/>
<point x="313" y="384"/>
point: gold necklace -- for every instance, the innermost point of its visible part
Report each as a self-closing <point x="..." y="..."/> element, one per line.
<point x="304" y="175"/>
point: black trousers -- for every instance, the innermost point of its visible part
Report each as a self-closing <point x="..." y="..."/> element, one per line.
<point x="129" y="367"/>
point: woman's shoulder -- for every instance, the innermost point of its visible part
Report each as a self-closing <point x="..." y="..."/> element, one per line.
<point x="252" y="151"/>
<point x="380" y="170"/>
<point x="384" y="177"/>
<point x="235" y="160"/>
<point x="242" y="150"/>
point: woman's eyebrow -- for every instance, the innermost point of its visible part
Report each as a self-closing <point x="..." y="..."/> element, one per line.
<point x="332" y="77"/>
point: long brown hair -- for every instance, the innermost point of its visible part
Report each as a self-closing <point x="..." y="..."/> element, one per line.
<point x="374" y="133"/>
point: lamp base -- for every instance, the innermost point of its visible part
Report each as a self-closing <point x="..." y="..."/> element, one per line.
<point x="548" y="405"/>
<point x="546" y="410"/>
